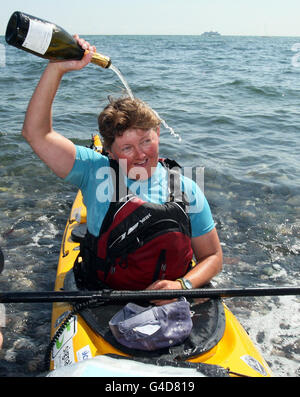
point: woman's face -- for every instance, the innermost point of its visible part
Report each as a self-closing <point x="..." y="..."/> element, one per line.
<point x="137" y="152"/>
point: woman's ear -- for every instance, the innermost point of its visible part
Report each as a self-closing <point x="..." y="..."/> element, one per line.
<point x="110" y="154"/>
<point x="158" y="130"/>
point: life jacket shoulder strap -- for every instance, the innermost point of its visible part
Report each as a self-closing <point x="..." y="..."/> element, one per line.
<point x="169" y="163"/>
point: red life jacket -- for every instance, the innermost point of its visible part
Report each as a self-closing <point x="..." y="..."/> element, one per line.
<point x="139" y="242"/>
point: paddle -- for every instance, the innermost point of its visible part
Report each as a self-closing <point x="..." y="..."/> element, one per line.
<point x="119" y="296"/>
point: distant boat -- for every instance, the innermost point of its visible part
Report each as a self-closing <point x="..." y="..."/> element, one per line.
<point x="211" y="34"/>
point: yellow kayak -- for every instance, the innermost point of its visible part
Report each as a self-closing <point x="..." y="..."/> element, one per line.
<point x="82" y="345"/>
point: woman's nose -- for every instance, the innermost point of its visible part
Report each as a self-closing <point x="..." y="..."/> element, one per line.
<point x="139" y="153"/>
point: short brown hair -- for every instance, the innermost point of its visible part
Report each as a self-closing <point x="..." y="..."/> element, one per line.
<point x="124" y="113"/>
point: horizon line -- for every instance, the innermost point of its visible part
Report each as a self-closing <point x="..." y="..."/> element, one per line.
<point x="183" y="34"/>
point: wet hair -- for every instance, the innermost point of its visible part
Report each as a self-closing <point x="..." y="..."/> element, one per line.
<point x="123" y="113"/>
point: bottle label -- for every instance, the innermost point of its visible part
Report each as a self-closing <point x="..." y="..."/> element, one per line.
<point x="38" y="37"/>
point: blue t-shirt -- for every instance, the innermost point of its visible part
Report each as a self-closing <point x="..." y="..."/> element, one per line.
<point x="92" y="174"/>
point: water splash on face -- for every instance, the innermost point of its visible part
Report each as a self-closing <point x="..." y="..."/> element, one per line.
<point x="130" y="94"/>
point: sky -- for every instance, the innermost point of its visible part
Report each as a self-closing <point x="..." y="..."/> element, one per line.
<point x="181" y="17"/>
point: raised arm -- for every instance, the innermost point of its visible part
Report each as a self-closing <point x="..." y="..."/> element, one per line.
<point x="54" y="149"/>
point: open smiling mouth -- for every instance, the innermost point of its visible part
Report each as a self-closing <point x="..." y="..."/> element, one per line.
<point x="141" y="163"/>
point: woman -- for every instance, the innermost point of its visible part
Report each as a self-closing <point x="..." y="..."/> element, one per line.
<point x="130" y="130"/>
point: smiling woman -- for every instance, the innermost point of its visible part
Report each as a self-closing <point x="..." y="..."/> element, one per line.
<point x="122" y="114"/>
<point x="140" y="241"/>
<point x="137" y="152"/>
<point x="130" y="131"/>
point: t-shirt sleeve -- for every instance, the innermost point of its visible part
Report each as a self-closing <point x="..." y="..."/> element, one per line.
<point x="90" y="174"/>
<point x="85" y="161"/>
<point x="199" y="210"/>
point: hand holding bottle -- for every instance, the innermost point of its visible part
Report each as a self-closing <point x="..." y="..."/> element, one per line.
<point x="54" y="149"/>
<point x="47" y="40"/>
<point x="69" y="65"/>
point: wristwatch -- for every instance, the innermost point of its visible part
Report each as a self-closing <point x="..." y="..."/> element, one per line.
<point x="185" y="284"/>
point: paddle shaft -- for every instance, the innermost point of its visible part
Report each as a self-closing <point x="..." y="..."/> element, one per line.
<point x="119" y="296"/>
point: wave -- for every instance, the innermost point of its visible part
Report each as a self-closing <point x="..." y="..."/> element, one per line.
<point x="255" y="89"/>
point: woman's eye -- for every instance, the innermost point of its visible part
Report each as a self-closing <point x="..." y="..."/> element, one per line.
<point x="126" y="149"/>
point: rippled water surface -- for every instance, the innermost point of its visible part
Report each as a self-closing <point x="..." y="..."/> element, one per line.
<point x="235" y="103"/>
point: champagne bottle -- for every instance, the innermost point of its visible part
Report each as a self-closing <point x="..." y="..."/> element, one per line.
<point x="46" y="40"/>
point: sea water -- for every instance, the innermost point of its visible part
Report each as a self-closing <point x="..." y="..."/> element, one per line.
<point x="235" y="103"/>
